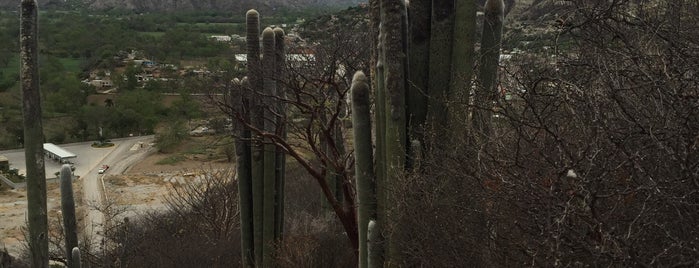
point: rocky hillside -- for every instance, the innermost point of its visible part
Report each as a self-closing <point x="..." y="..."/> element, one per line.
<point x="180" y="5"/>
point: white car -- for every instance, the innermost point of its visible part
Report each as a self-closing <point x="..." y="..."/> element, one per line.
<point x="102" y="169"/>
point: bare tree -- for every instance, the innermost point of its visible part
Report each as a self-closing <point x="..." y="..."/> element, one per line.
<point x="315" y="81"/>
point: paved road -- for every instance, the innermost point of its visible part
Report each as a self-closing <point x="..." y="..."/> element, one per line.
<point x="124" y="153"/>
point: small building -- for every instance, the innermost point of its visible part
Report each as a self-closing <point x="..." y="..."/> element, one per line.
<point x="99" y="83"/>
<point x="57" y="153"/>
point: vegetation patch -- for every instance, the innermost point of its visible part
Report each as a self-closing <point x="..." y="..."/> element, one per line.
<point x="171" y="160"/>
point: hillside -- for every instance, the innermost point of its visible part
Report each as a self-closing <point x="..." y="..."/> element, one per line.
<point x="181" y="5"/>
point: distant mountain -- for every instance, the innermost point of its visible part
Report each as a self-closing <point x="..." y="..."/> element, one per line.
<point x="182" y="5"/>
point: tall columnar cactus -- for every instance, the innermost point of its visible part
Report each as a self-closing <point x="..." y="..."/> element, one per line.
<point x="33" y="135"/>
<point x="270" y="156"/>
<point x="255" y="76"/>
<point x="75" y="256"/>
<point x="487" y="93"/>
<point x="364" y="165"/>
<point x="68" y="207"/>
<point x="280" y="167"/>
<point x="244" y="105"/>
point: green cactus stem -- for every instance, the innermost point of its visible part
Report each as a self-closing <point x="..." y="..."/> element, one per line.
<point x="68" y="208"/>
<point x="33" y="135"/>
<point x="364" y="160"/>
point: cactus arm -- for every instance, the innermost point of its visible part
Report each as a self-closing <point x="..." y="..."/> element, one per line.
<point x="68" y="209"/>
<point x="33" y="135"/>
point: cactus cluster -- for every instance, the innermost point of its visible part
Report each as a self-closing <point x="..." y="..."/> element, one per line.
<point x="260" y="163"/>
<point x="421" y="67"/>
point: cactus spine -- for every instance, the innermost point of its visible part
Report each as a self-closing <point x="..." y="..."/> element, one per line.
<point x="75" y="256"/>
<point x="487" y="93"/>
<point x="33" y="135"/>
<point x="68" y="208"/>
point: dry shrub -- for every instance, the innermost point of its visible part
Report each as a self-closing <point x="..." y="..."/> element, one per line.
<point x="199" y="228"/>
<point x="594" y="160"/>
<point x="438" y="212"/>
<point x="315" y="242"/>
<point x="313" y="236"/>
